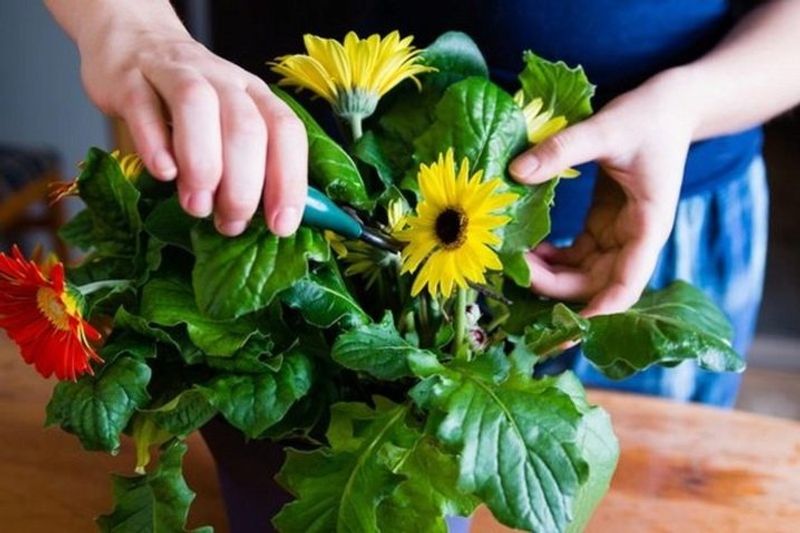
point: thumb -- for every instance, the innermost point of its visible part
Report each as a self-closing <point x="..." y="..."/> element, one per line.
<point x="577" y="144"/>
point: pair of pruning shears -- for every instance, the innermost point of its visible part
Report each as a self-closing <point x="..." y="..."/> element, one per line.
<point x="322" y="213"/>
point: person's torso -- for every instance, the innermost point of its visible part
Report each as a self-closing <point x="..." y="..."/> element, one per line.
<point x="620" y="43"/>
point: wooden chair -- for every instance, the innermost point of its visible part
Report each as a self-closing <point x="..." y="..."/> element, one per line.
<point x="26" y="178"/>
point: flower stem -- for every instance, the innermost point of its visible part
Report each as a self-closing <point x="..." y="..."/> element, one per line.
<point x="89" y="288"/>
<point x="355" y="127"/>
<point x="460" y="350"/>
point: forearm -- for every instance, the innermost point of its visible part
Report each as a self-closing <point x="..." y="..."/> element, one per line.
<point x="750" y="77"/>
<point x="87" y="21"/>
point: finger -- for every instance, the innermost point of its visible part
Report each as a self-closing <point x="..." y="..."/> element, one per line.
<point x="560" y="283"/>
<point x="196" y="136"/>
<point x="575" y="145"/>
<point x="140" y="107"/>
<point x="244" y="154"/>
<point x="629" y="277"/>
<point x="287" y="163"/>
<point x="572" y="255"/>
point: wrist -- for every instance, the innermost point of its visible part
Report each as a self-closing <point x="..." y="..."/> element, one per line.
<point x="682" y="92"/>
<point x="105" y="20"/>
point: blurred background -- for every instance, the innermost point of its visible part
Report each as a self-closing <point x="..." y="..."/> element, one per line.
<point x="47" y="123"/>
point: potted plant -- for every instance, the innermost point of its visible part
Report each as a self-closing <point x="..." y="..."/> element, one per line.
<point x="401" y="380"/>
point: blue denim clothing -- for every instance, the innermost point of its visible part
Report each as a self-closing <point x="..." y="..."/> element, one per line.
<point x="718" y="244"/>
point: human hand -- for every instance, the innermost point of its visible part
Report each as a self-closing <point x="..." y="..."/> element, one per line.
<point x="640" y="141"/>
<point x="231" y="141"/>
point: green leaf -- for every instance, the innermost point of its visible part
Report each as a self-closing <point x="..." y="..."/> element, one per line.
<point x="565" y="90"/>
<point x="600" y="450"/>
<point x="153" y="503"/>
<point x="664" y="327"/>
<point x="339" y="489"/>
<point x="406" y="113"/>
<point x="146" y="433"/>
<point x="323" y="299"/>
<point x="112" y="200"/>
<point x="257" y="356"/>
<point x="564" y="326"/>
<point x="377" y="349"/>
<point x="169" y="302"/>
<point x="236" y="276"/>
<point x="530" y="224"/>
<point x="480" y="121"/>
<point x="97" y="408"/>
<point x="78" y="231"/>
<point x="516" y="440"/>
<point x="377" y="152"/>
<point x="174" y="337"/>
<point x="254" y="402"/>
<point x="526" y="309"/>
<point x="185" y="413"/>
<point x="455" y="56"/>
<point x="170" y="224"/>
<point x="420" y="503"/>
<point x="329" y="166"/>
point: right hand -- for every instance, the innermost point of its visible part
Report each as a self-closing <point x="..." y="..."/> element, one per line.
<point x="231" y="142"/>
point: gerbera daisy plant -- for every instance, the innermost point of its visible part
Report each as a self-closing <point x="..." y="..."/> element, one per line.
<point x="407" y="377"/>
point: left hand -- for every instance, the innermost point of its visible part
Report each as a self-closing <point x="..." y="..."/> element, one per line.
<point x="640" y="141"/>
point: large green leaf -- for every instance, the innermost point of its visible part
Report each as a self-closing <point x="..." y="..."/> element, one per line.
<point x="530" y="224"/>
<point x="455" y="56"/>
<point x="600" y="449"/>
<point x="254" y="402"/>
<point x="169" y="302"/>
<point x="421" y="502"/>
<point x="323" y="299"/>
<point x="112" y="200"/>
<point x="566" y="91"/>
<point x="377" y="349"/>
<point x="664" y="327"/>
<point x="517" y="441"/>
<point x="339" y="489"/>
<point x="236" y="276"/>
<point x="480" y="121"/>
<point x="97" y="408"/>
<point x="329" y="166"/>
<point x="155" y="502"/>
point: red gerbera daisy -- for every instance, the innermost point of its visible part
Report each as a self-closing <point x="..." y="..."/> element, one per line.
<point x="43" y="318"/>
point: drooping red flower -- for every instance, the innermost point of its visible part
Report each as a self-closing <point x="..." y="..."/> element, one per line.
<point x="43" y="318"/>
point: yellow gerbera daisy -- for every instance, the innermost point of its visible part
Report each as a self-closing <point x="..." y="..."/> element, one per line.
<point x="453" y="230"/>
<point x="353" y="75"/>
<point x="541" y="124"/>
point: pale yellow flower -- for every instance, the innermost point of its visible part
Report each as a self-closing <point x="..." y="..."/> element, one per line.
<point x="541" y="124"/>
<point x="352" y="75"/>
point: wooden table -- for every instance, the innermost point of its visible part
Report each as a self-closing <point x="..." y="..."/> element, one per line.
<point x="683" y="468"/>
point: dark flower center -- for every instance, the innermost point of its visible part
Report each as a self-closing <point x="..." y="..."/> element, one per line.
<point x="451" y="227"/>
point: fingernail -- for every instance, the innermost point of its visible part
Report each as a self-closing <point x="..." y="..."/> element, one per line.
<point x="285" y="221"/>
<point x="524" y="166"/>
<point x="231" y="228"/>
<point x="164" y="165"/>
<point x="198" y="204"/>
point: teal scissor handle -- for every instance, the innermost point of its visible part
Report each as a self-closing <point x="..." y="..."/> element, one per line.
<point x="320" y="212"/>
